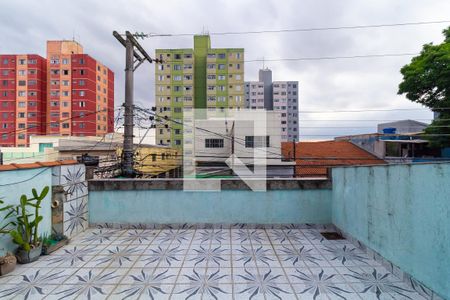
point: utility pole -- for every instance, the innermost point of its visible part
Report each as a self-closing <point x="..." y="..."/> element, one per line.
<point x="133" y="59"/>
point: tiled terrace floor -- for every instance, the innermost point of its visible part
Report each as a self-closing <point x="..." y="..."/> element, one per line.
<point x="205" y="264"/>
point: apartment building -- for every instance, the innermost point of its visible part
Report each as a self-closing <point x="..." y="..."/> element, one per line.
<point x="199" y="78"/>
<point x="279" y="96"/>
<point x="80" y="92"/>
<point x="68" y="93"/>
<point x="23" y="93"/>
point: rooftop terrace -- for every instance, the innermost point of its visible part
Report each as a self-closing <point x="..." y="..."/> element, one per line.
<point x="217" y="239"/>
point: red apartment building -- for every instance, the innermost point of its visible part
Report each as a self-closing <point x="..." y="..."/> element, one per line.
<point x="23" y="93"/>
<point x="69" y="93"/>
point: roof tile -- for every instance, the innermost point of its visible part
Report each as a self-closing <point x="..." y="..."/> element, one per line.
<point x="313" y="158"/>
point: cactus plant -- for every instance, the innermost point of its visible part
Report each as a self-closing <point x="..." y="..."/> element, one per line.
<point x="9" y="211"/>
<point x="26" y="234"/>
<point x="8" y="261"/>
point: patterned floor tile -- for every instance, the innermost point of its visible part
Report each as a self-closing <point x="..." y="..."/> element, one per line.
<point x="238" y="263"/>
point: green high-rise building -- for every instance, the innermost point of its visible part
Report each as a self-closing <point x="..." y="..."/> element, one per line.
<point x="199" y="78"/>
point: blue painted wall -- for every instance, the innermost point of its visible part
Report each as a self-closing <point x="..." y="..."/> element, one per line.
<point x="228" y="206"/>
<point x="403" y="213"/>
<point x="11" y="195"/>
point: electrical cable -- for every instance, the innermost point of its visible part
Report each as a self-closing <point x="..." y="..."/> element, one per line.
<point x="310" y="29"/>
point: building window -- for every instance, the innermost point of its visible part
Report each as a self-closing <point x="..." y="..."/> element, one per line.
<point x="21" y="93"/>
<point x="21" y="115"/>
<point x="21" y="104"/>
<point x="221" y="56"/>
<point x="65" y="125"/>
<point x="221" y="66"/>
<point x="21" y="136"/>
<point x="82" y="93"/>
<point x="22" y="83"/>
<point x="82" y="104"/>
<point x="211" y="66"/>
<point x="22" y="61"/>
<point x="213" y="143"/>
<point x="257" y="141"/>
<point x="176" y="67"/>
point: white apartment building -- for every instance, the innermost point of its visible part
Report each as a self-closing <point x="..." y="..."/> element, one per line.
<point x="279" y="96"/>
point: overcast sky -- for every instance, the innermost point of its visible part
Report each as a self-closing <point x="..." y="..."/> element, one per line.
<point x="366" y="83"/>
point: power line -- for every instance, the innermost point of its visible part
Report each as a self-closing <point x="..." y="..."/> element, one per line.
<point x="310" y="29"/>
<point x="57" y="121"/>
<point x="75" y="149"/>
<point x="32" y="177"/>
<point x="319" y="58"/>
<point x="332" y="57"/>
<point x="364" y="110"/>
<point x="360" y="120"/>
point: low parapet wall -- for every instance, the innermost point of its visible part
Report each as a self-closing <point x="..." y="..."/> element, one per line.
<point x="226" y="201"/>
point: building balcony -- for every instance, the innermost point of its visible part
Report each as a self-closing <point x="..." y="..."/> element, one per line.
<point x="218" y="239"/>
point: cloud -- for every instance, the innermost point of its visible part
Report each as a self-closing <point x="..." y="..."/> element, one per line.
<point x="334" y="84"/>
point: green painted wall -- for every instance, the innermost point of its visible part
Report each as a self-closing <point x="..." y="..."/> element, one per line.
<point x="403" y="213"/>
<point x="202" y="44"/>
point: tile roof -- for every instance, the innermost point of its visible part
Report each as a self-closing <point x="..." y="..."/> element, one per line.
<point x="314" y="158"/>
<point x="37" y="165"/>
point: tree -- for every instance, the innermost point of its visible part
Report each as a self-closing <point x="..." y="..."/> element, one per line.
<point x="426" y="80"/>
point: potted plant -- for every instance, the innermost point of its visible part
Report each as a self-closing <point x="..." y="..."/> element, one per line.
<point x="26" y="234"/>
<point x="53" y="243"/>
<point x="8" y="261"/>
